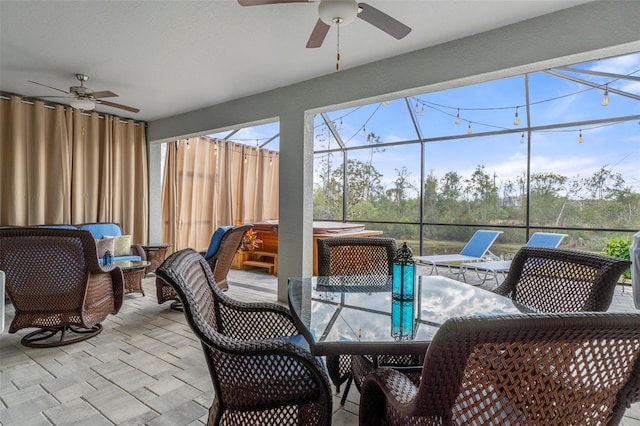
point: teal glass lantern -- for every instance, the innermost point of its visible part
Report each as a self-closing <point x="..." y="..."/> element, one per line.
<point x="402" y="319"/>
<point x="404" y="270"/>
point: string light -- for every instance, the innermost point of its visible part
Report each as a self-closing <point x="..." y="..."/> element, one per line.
<point x="417" y="108"/>
<point x="458" y="117"/>
<point x="516" y="120"/>
<point x="522" y="138"/>
<point x="605" y="99"/>
<point x="469" y="131"/>
<point x="422" y="111"/>
<point x="364" y="131"/>
<point x="338" y="46"/>
<point x="580" y="140"/>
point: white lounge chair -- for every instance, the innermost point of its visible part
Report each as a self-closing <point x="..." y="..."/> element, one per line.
<point x="475" y="250"/>
<point x="492" y="268"/>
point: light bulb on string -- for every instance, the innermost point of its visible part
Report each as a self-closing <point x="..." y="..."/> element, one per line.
<point x="245" y="157"/>
<point x="522" y="138"/>
<point x="580" y="140"/>
<point x="605" y="99"/>
<point x="458" y="117"/>
<point x="516" y="120"/>
<point x="417" y="108"/>
<point x="469" y="131"/>
<point x="422" y="111"/>
<point x="257" y="146"/>
<point x="188" y="146"/>
<point x="340" y="127"/>
<point x="364" y="131"/>
<point x="270" y="161"/>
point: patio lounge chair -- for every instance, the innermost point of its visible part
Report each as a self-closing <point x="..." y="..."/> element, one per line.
<point x="56" y="285"/>
<point x="475" y="250"/>
<point x="225" y="242"/>
<point x="546" y="369"/>
<point x="260" y="374"/>
<point x="492" y="268"/>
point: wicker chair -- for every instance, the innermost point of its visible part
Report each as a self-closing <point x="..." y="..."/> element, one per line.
<point x="546" y="369"/>
<point x="562" y="280"/>
<point x="220" y="263"/>
<point x="56" y="284"/>
<point x="259" y="376"/>
<point x="357" y="256"/>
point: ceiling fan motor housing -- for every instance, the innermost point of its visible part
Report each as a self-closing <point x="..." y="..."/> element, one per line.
<point x="80" y="91"/>
<point x="333" y="12"/>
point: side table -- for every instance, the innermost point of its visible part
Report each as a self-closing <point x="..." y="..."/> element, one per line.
<point x="155" y="254"/>
<point x="132" y="272"/>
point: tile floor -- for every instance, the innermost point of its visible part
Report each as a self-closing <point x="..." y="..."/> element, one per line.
<point x="146" y="367"/>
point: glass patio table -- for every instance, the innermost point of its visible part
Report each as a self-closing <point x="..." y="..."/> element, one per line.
<point x="357" y="314"/>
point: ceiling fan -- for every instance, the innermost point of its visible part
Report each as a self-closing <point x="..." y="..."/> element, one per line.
<point x="342" y="12"/>
<point x="84" y="98"/>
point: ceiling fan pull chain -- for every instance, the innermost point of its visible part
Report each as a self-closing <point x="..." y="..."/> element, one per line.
<point x="338" y="48"/>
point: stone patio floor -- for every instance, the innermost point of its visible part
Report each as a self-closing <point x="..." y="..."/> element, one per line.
<point x="146" y="367"/>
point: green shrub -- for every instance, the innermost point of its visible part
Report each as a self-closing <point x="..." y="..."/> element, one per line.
<point x="619" y="248"/>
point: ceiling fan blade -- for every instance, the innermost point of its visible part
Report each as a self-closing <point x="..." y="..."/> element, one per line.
<point x="103" y="94"/>
<point x="318" y="34"/>
<point x="50" y="87"/>
<point x="381" y="20"/>
<point x="261" y="2"/>
<point x="115" y="105"/>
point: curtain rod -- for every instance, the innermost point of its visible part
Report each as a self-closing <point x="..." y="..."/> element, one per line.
<point x="52" y="105"/>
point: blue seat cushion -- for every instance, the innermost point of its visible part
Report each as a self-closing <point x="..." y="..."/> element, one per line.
<point x="214" y="244"/>
<point x="99" y="230"/>
<point x="122" y="258"/>
<point x="299" y="340"/>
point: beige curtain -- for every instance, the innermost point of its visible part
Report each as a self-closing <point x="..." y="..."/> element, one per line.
<point x="210" y="183"/>
<point x="58" y="165"/>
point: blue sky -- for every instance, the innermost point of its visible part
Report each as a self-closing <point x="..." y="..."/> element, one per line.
<point x="491" y="106"/>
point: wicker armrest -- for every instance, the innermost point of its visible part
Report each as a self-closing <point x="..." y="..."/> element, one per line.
<point x="384" y="386"/>
<point x="137" y="250"/>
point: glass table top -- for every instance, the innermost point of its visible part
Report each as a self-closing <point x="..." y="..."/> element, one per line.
<point x="357" y="314"/>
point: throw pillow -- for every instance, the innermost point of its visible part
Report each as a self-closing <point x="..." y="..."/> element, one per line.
<point x="102" y="246"/>
<point x="123" y="244"/>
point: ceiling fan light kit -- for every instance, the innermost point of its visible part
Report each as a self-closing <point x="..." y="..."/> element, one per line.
<point x="82" y="104"/>
<point x="334" y="12"/>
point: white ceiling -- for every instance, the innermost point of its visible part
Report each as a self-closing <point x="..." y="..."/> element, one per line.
<point x="170" y="57"/>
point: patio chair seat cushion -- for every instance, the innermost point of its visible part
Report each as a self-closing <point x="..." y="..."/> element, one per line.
<point x="214" y="244"/>
<point x="99" y="230"/>
<point x="299" y="340"/>
<point x="130" y="258"/>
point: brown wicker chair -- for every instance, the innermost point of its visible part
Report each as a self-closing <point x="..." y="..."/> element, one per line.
<point x="56" y="284"/>
<point x="545" y="369"/>
<point x="220" y="263"/>
<point x="562" y="280"/>
<point x="259" y="376"/>
<point x="357" y="256"/>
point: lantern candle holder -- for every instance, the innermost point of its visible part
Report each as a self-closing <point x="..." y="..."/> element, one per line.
<point x="404" y="271"/>
<point x="402" y="323"/>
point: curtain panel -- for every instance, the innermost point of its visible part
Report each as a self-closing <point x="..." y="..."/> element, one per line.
<point x="210" y="183"/>
<point x="62" y="166"/>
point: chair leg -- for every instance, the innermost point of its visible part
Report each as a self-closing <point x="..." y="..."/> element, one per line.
<point x="346" y="389"/>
